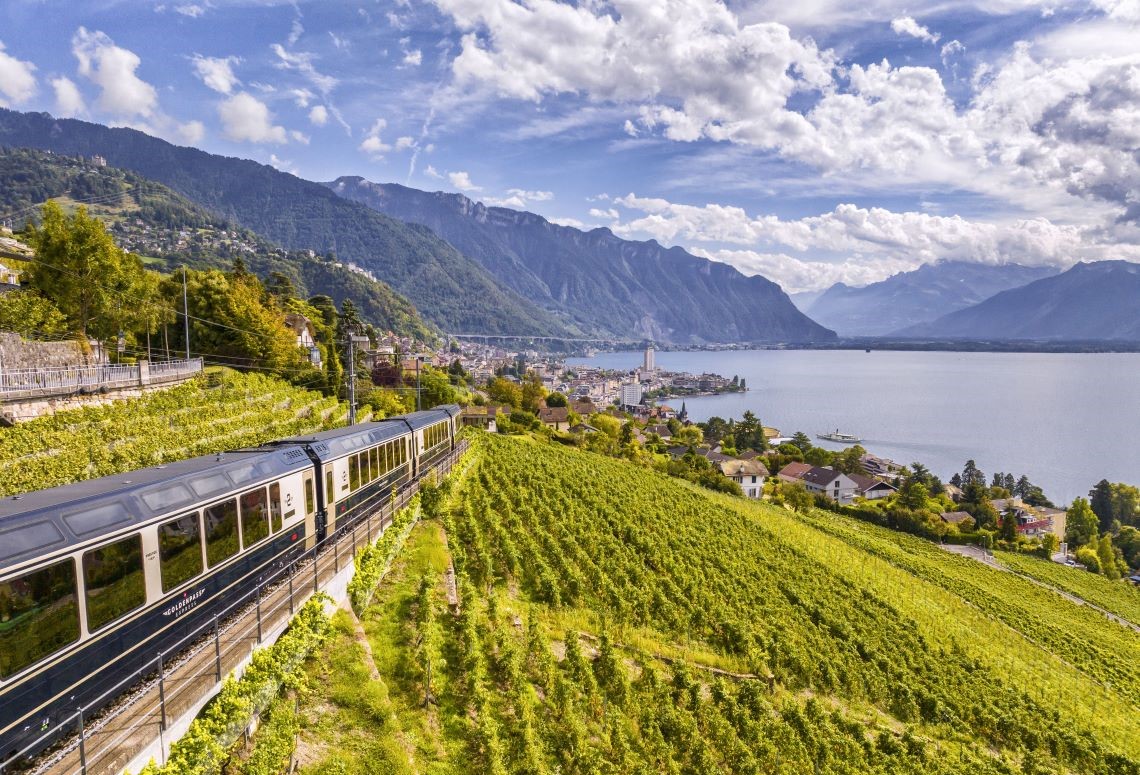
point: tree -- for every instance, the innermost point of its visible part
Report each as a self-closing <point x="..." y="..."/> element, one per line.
<point x="435" y="388"/>
<point x="850" y="460"/>
<point x="913" y="496"/>
<point x="1009" y="526"/>
<point x="503" y="391"/>
<point x="1106" y="553"/>
<point x="1100" y="499"/>
<point x="532" y="393"/>
<point x="1126" y="503"/>
<point x="78" y="266"/>
<point x="715" y="429"/>
<point x="971" y="474"/>
<point x="956" y="480"/>
<point x="1127" y="540"/>
<point x="802" y="440"/>
<point x="32" y="315"/>
<point x="749" y="433"/>
<point x="1080" y="523"/>
<point x="1088" y="557"/>
<point x="556" y="400"/>
<point x="690" y="436"/>
<point x="797" y="496"/>
<point x="611" y="426"/>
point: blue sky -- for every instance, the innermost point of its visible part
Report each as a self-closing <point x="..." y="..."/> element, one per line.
<point x="813" y="142"/>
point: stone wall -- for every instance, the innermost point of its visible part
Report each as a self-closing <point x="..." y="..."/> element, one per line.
<point x="19" y="353"/>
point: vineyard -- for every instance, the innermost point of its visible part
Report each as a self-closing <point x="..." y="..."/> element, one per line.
<point x="613" y="620"/>
<point x="222" y="410"/>
<point x="1117" y="597"/>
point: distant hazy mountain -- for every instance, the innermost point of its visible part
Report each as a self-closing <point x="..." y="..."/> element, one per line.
<point x="448" y="288"/>
<point x="804" y="299"/>
<point x="599" y="281"/>
<point x="909" y="298"/>
<point x="1098" y="301"/>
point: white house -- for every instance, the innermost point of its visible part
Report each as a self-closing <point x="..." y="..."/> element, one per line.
<point x="303" y="328"/>
<point x="872" y="489"/>
<point x="749" y="474"/>
<point x="829" y="482"/>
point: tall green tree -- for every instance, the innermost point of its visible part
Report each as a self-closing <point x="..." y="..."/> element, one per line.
<point x="1080" y="523"/>
<point x="95" y="284"/>
<point x="1100" y="498"/>
<point x="32" y="315"/>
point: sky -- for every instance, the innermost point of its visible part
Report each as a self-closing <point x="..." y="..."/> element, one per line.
<point x="813" y="142"/>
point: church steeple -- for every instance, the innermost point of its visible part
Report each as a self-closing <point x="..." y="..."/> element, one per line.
<point x="684" y="414"/>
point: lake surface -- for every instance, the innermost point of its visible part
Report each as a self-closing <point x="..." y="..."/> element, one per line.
<point x="1066" y="420"/>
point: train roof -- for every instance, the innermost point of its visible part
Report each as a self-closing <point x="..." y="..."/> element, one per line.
<point x="47" y="521"/>
<point x="336" y="443"/>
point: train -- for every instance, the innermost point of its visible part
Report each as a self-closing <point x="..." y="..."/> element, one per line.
<point x="115" y="571"/>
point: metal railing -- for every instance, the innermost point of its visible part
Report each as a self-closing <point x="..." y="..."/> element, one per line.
<point x="177" y="679"/>
<point x="160" y="371"/>
<point x="66" y="380"/>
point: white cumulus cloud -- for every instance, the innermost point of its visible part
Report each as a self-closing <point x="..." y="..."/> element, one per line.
<point x="319" y="115"/>
<point x="68" y="100"/>
<point x="112" y="68"/>
<point x="191" y="132"/>
<point x="17" y="79"/>
<point x="518" y="198"/>
<point x="906" y="25"/>
<point x="247" y="119"/>
<point x="462" y="181"/>
<point x="217" y="72"/>
<point x="373" y="145"/>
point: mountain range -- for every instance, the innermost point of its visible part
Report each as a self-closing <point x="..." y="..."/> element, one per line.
<point x="149" y="219"/>
<point x="454" y="291"/>
<point x="1090" y="301"/>
<point x="450" y="290"/>
<point x="910" y="298"/>
<point x="599" y="281"/>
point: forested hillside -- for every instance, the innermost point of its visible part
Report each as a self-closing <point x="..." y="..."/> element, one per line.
<point x="611" y="620"/>
<point x="451" y="290"/>
<point x="604" y="283"/>
<point x="153" y="221"/>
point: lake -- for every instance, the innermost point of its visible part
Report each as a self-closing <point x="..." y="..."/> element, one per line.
<point x="1066" y="420"/>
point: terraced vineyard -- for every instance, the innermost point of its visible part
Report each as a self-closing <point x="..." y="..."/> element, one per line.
<point x="613" y="620"/>
<point x="1117" y="597"/>
<point x="219" y="411"/>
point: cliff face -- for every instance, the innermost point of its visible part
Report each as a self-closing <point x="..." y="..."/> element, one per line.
<point x="604" y="284"/>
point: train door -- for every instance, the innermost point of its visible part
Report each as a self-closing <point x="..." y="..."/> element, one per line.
<point x="309" y="487"/>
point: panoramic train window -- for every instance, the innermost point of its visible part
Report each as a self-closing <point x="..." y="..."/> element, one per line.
<point x="254" y="517"/>
<point x="310" y="497"/>
<point x="113" y="580"/>
<point x="354" y="472"/>
<point x="374" y="462"/>
<point x="275" y="506"/>
<point x="221" y="531"/>
<point x="329" y="498"/>
<point x="180" y="550"/>
<point x="39" y="614"/>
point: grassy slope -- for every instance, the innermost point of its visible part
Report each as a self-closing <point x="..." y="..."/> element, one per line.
<point x="888" y="655"/>
<point x="1117" y="597"/>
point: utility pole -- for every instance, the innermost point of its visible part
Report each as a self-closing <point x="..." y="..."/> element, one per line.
<point x="185" y="312"/>
<point x="419" y="360"/>
<point x="351" y="382"/>
<point x="353" y="338"/>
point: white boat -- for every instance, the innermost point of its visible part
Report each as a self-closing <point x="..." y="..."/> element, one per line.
<point x="841" y="438"/>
